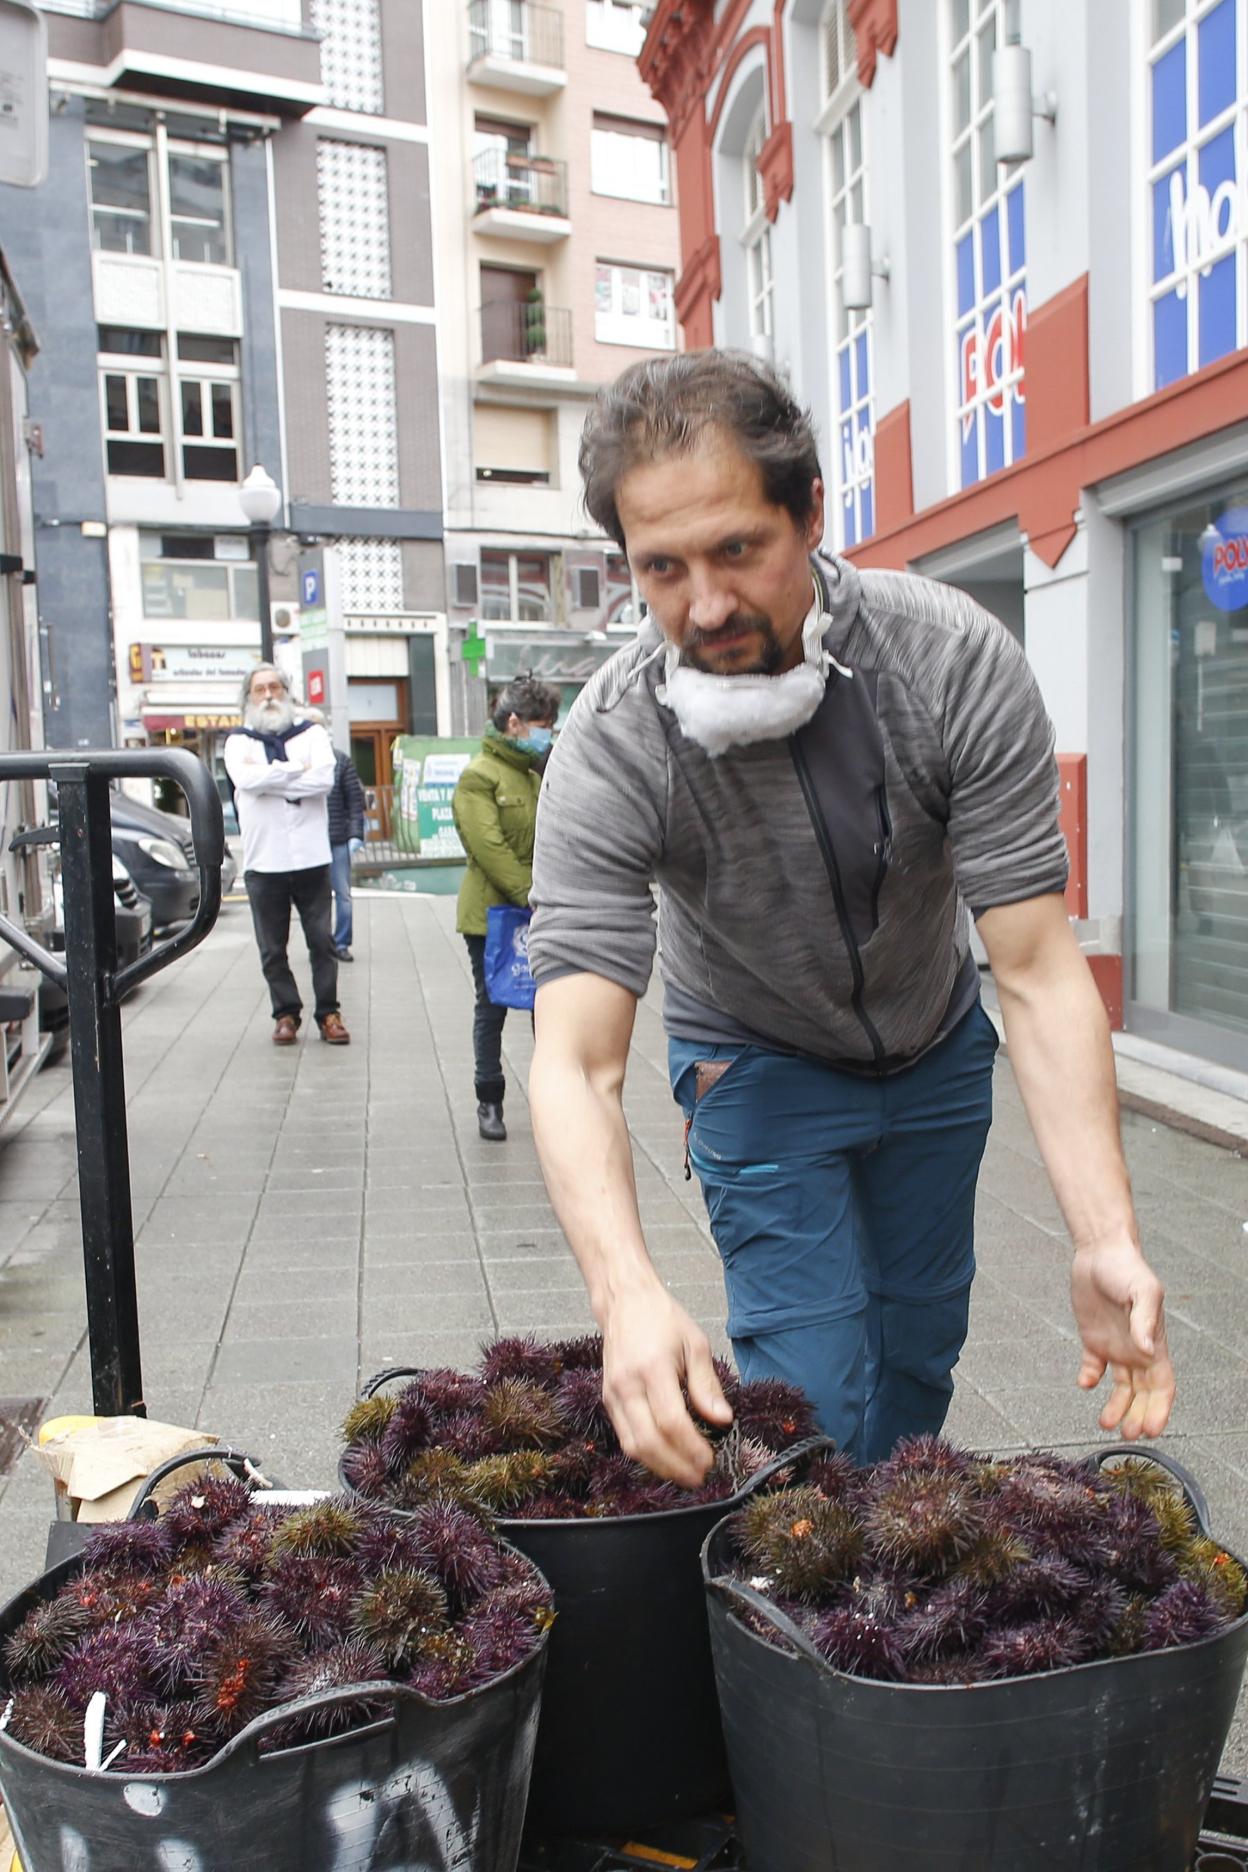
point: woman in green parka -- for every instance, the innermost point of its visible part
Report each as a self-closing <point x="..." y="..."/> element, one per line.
<point x="495" y="807"/>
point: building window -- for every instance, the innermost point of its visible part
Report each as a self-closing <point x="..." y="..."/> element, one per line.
<point x="853" y="518"/>
<point x="756" y="240"/>
<point x="134" y="423"/>
<point x="615" y="26"/>
<point x="351" y="57"/>
<point x="989" y="253"/>
<point x="513" y="445"/>
<point x="516" y="587"/>
<point x="139" y="391"/>
<point x="125" y="216"/>
<point x="363" y="416"/>
<point x="198" y="576"/>
<point x="1198" y="121"/>
<point x="371" y="575"/>
<point x="838" y="50"/>
<point x="629" y="160"/>
<point x="354" y="196"/>
<point x="634" y="306"/>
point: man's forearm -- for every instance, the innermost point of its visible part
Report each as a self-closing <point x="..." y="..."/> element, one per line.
<point x="1063" y="1061"/>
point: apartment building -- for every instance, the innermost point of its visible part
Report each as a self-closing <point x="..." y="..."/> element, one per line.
<point x="1001" y="248"/>
<point x="556" y="248"/>
<point x="230" y="267"/>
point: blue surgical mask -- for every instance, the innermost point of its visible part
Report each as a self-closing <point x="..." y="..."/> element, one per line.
<point x="537" y="741"/>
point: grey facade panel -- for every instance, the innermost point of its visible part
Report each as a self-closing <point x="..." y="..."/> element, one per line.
<point x="298" y="212"/>
<point x="261" y="389"/>
<point x="424" y="575"/>
<point x="47" y="244"/>
<point x="389" y="523"/>
<point x="307" y="428"/>
<point x="420" y="447"/>
<point x="411" y="226"/>
<point x="403" y="50"/>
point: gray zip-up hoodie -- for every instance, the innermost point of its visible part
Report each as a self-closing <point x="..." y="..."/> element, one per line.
<point x="813" y="889"/>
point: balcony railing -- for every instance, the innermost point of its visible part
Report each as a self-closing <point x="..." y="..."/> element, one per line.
<point x="528" y="332"/>
<point x="531" y="184"/>
<point x="517" y="30"/>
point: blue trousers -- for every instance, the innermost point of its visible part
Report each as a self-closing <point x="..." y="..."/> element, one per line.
<point x="340" y="877"/>
<point x="843" y="1210"/>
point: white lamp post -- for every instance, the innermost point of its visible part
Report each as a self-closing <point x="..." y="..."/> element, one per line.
<point x="260" y="499"/>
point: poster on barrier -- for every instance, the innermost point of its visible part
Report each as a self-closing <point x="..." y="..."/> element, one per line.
<point x="426" y="768"/>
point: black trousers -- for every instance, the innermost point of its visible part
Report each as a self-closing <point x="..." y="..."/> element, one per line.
<point x="487" y="1031"/>
<point x="272" y="895"/>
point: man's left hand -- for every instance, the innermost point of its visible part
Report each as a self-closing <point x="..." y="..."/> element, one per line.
<point x="1120" y="1312"/>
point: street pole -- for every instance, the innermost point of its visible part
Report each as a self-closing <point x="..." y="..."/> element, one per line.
<point x="260" y="537"/>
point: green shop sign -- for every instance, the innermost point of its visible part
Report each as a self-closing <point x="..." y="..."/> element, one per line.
<point x="426" y="769"/>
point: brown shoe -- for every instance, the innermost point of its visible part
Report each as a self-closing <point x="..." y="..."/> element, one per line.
<point x="333" y="1030"/>
<point x="285" y="1030"/>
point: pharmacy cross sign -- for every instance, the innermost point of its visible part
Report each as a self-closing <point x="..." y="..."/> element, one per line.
<point x="474" y="651"/>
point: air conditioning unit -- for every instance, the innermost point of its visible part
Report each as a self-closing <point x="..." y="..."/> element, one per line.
<point x="285" y="618"/>
<point x="464" y="584"/>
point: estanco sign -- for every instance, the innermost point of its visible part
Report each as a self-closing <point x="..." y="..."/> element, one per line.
<point x="993" y="360"/>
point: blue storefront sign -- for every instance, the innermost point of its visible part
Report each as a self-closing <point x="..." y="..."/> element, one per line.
<point x="1224" y="560"/>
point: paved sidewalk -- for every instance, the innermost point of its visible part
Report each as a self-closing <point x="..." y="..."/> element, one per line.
<point x="305" y="1218"/>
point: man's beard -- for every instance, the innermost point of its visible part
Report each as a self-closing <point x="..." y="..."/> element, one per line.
<point x="765" y="663"/>
<point x="270" y="717"/>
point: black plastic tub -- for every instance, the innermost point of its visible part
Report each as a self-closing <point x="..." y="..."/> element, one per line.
<point x="630" y="1734"/>
<point x="1103" y="1767"/>
<point x="439" y="1786"/>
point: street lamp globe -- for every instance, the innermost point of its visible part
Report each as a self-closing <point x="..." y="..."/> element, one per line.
<point x="260" y="497"/>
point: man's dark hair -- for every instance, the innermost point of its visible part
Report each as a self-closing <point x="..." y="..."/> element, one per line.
<point x="525" y="696"/>
<point x="662" y="407"/>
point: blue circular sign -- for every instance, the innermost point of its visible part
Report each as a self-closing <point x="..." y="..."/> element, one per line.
<point x="1224" y="562"/>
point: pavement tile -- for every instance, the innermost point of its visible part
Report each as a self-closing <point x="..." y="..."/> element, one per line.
<point x="277" y="1288"/>
<point x="446" y="1278"/>
<point x="302" y="1317"/>
<point x="414" y="1251"/>
<point x="409" y="1308"/>
<point x="458" y="1350"/>
<point x="285" y="1360"/>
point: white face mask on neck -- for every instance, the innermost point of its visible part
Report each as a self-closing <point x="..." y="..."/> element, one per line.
<point x="722" y="712"/>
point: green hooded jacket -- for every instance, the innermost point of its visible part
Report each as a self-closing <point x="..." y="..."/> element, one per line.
<point x="495" y="808"/>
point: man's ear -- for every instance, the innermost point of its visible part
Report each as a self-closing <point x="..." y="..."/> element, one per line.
<point x="814" y="526"/>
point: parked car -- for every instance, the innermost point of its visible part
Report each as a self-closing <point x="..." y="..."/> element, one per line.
<point x="134" y="939"/>
<point x="162" y="871"/>
<point x="133" y="817"/>
<point x="134" y="916"/>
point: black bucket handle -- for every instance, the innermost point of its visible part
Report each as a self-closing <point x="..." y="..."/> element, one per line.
<point x="737" y="1596"/>
<point x="797" y="1452"/>
<point x="244" y="1467"/>
<point x="1184" y="1477"/>
<point x="372" y="1385"/>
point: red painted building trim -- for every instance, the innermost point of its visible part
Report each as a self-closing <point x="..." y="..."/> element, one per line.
<point x="1107" y="974"/>
<point x="775" y="166"/>
<point x="1072" y="779"/>
<point x="757" y="36"/>
<point x="894" y="479"/>
<point x="875" y="31"/>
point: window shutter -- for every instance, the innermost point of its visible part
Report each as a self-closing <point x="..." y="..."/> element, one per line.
<point x="586" y="588"/>
<point x="465" y="586"/>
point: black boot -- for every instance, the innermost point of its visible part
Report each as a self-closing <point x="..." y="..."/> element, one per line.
<point x="490" y="1121"/>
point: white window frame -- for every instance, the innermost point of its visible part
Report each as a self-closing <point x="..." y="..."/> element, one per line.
<point x="222" y="377"/>
<point x="1235" y="241"/>
<point x="615" y="26"/>
<point x="170" y="375"/>
<point x="159" y="148"/>
<point x="653" y="135"/>
<point x="131" y="370"/>
<point x="853" y="476"/>
<point x="1013" y="281"/>
<point x="618" y="327"/>
<point x="756" y="238"/>
<point x="232" y="566"/>
<point x="513" y="557"/>
<point x="152" y="221"/>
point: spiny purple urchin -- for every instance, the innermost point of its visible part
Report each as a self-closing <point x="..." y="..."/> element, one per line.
<point x="446" y="1668"/>
<point x="552" y="1508"/>
<point x="409" y="1430"/>
<point x="1099" y="1613"/>
<point x="447" y="1391"/>
<point x="1048" y="1503"/>
<point x="501" y="1637"/>
<point x="1180" y="1615"/>
<point x="1128" y="1545"/>
<point x="948" y="1620"/>
<point x="776" y="1413"/>
<point x="435" y="1473"/>
<point x="858" y="1644"/>
<point x="503" y="1483"/>
<point x="365" y="1469"/>
<point x="835" y="1475"/>
<point x="110" y="1659"/>
<point x="48" y="1632"/>
<point x="245" y="1545"/>
<point x="523" y="1356"/>
<point x="388" y="1541"/>
<point x="583" y="1353"/>
<point x="328" y="1529"/>
<point x="996" y="1553"/>
<point x="522" y="1415"/>
<point x="729" y="1381"/>
<point x="806" y="1542"/>
<point x="341" y="1665"/>
<point x="530" y="1598"/>
<point x="174" y="1633"/>
<point x="580" y="1400"/>
<point x="163" y="1738"/>
<point x="106" y="1595"/>
<point x="464" y="1434"/>
<point x="1218" y="1572"/>
<point x="313" y="1595"/>
<point x="42" y="1720"/>
<point x="398" y="1611"/>
<point x="1036" y="1587"/>
<point x="237" y="1674"/>
<point x="1024" y="1650"/>
<point x="368" y="1419"/>
<point x="925" y="1454"/>
<point x="457" y="1549"/>
<point x="129" y="1546"/>
<point x="923" y="1522"/>
<point x="204" y="1508"/>
<point x="572" y="1466"/>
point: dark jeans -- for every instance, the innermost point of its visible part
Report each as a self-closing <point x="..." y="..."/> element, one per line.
<point x="272" y="893"/>
<point x="340" y="878"/>
<point x="843" y="1210"/>
<point x="487" y="1031"/>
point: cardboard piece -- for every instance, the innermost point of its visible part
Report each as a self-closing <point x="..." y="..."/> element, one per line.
<point x="99" y="1468"/>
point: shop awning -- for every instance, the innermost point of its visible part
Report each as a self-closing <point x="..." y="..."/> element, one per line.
<point x="182" y="710"/>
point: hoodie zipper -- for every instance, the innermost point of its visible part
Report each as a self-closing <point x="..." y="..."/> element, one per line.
<point x="838" y="898"/>
<point x="884" y="851"/>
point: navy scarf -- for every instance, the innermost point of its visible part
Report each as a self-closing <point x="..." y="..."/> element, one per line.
<point x="274" y="742"/>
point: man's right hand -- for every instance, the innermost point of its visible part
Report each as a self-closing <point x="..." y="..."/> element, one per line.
<point x="651" y="1348"/>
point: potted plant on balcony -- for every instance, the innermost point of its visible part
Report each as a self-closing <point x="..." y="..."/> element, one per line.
<point x="535" y="324"/>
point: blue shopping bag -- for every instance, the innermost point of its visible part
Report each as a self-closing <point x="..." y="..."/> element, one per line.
<point x="508" y="977"/>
